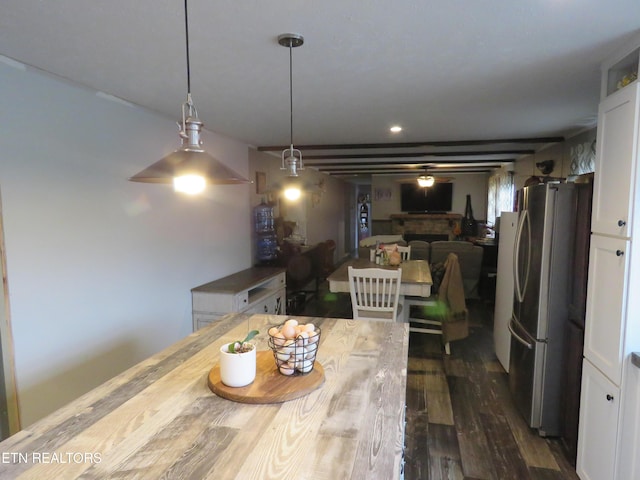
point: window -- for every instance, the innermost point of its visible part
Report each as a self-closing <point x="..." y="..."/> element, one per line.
<point x="501" y="195"/>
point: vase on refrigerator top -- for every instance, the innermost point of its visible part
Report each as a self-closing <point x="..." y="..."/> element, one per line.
<point x="469" y="224"/>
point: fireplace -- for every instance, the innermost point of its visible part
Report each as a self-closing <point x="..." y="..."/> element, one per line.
<point x="427" y="227"/>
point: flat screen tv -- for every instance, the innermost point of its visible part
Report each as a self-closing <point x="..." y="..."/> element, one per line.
<point x="417" y="199"/>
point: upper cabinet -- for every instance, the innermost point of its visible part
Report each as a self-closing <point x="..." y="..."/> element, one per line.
<point x="619" y="72"/>
<point x="616" y="147"/>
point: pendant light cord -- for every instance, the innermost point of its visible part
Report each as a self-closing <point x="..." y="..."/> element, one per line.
<point x="186" y="30"/>
<point x="290" y="90"/>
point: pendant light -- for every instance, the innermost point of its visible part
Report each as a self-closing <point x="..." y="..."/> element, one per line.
<point x="426" y="181"/>
<point x="291" y="157"/>
<point x="189" y="167"/>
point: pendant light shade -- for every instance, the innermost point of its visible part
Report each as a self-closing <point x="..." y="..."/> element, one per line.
<point x="291" y="157"/>
<point x="190" y="168"/>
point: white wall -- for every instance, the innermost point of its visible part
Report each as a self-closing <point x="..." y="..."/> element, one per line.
<point x="577" y="151"/>
<point x="99" y="268"/>
<point x="463" y="184"/>
<point x="318" y="219"/>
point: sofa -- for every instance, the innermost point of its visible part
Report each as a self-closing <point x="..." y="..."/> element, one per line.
<point x="368" y="243"/>
<point x="469" y="258"/>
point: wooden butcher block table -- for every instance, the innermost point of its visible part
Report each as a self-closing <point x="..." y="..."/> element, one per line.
<point x="161" y="419"/>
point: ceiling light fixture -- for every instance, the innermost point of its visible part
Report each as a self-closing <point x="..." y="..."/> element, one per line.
<point x="425" y="180"/>
<point x="291" y="157"/>
<point x="396" y="129"/>
<point x="189" y="167"/>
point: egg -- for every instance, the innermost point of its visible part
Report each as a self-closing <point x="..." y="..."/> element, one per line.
<point x="278" y="339"/>
<point x="289" y="331"/>
<point x="305" y="367"/>
<point x="285" y="370"/>
<point x="292" y="321"/>
<point x="299" y="354"/>
<point x="302" y="339"/>
<point x="309" y="327"/>
<point x="313" y="337"/>
<point x="283" y="356"/>
<point x="289" y="346"/>
<point x="273" y="331"/>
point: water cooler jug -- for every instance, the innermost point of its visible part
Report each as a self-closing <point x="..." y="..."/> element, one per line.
<point x="267" y="242"/>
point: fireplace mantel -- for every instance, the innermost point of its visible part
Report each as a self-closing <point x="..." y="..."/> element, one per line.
<point x="426" y="216"/>
<point x="426" y="224"/>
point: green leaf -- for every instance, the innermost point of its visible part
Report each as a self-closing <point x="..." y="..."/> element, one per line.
<point x="231" y="348"/>
<point x="250" y="335"/>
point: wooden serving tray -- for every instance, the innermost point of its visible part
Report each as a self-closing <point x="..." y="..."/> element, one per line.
<point x="270" y="386"/>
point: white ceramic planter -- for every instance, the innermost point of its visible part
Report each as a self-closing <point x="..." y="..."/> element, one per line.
<point x="237" y="369"/>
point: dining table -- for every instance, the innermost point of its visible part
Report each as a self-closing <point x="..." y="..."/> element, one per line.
<point x="415" y="280"/>
<point x="162" y="419"/>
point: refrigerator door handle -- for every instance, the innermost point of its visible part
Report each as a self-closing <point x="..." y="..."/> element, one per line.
<point x="520" y="289"/>
<point x="518" y="337"/>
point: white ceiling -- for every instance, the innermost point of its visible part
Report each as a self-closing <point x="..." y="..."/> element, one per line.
<point x="446" y="70"/>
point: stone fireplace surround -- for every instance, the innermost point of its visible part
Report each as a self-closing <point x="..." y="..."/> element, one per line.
<point x="425" y="226"/>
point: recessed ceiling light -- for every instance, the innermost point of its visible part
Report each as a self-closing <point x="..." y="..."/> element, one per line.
<point x="396" y="129"/>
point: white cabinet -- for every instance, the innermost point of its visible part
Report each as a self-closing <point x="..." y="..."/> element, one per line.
<point x="599" y="405"/>
<point x="606" y="301"/>
<point x="629" y="447"/>
<point x="271" y="305"/>
<point x="255" y="290"/>
<point x="616" y="144"/>
<point x="610" y="393"/>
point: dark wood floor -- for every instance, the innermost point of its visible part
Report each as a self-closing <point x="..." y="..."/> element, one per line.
<point x="461" y="422"/>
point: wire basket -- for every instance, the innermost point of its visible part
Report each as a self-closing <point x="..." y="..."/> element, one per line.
<point x="295" y="352"/>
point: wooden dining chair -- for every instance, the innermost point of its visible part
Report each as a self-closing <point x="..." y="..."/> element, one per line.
<point x="375" y="293"/>
<point x="405" y="252"/>
<point x="447" y="305"/>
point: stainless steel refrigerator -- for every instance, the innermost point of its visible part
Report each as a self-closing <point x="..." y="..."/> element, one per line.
<point x="542" y="273"/>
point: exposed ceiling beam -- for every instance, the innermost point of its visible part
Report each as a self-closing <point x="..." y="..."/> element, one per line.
<point x="453" y="143"/>
<point x="474" y="153"/>
<point x="381" y="170"/>
<point x="460" y="156"/>
<point x="406" y="164"/>
<point x="350" y="173"/>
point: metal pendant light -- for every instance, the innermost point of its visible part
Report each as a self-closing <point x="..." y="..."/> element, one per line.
<point x="291" y="157"/>
<point x="189" y="167"/>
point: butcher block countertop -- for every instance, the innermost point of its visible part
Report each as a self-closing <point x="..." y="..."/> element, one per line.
<point x="159" y="419"/>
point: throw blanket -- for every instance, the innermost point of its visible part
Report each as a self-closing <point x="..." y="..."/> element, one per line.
<point x="455" y="323"/>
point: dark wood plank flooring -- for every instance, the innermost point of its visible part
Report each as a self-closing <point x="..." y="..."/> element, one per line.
<point x="461" y="422"/>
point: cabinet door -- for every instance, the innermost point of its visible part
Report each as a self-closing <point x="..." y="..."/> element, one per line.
<point x="606" y="300"/>
<point x="271" y="305"/>
<point x="599" y="406"/>
<point x="628" y="458"/>
<point x="615" y="163"/>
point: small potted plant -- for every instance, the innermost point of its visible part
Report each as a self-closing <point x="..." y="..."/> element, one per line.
<point x="238" y="362"/>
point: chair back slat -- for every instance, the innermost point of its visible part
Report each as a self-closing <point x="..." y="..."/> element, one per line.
<point x="405" y="252"/>
<point x="375" y="293"/>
